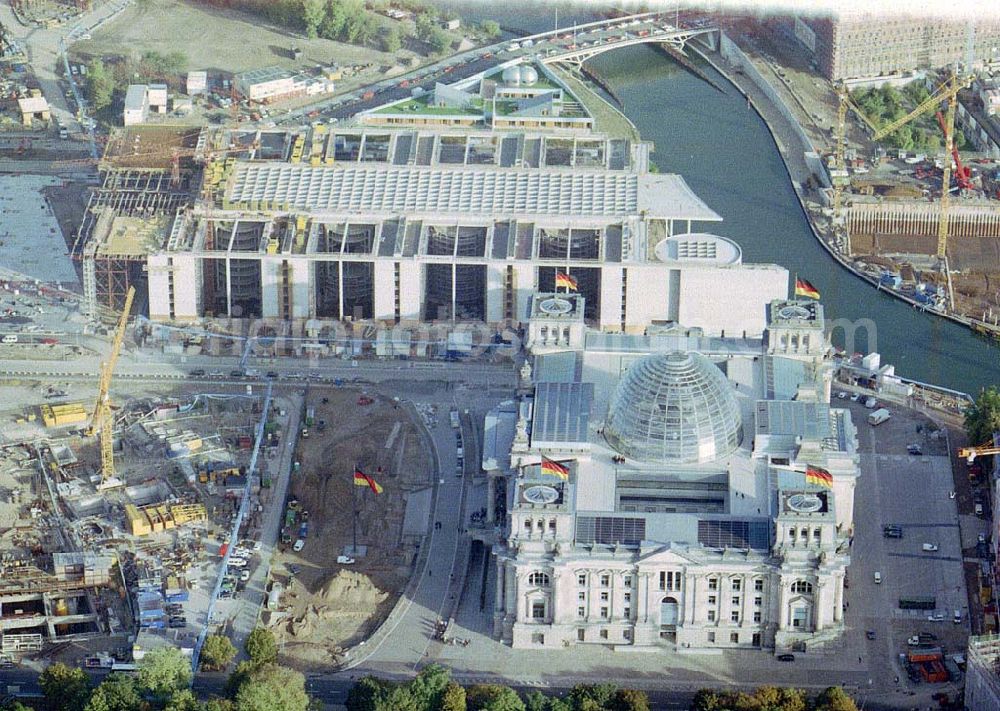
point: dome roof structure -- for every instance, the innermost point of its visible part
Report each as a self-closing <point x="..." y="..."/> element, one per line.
<point x="676" y="408"/>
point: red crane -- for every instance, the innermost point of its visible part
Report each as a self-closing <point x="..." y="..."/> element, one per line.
<point x="962" y="172"/>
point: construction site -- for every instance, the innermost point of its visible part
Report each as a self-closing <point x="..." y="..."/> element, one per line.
<point x="113" y="514"/>
<point x="359" y="547"/>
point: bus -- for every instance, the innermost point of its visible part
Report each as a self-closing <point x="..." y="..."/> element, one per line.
<point x="918" y="602"/>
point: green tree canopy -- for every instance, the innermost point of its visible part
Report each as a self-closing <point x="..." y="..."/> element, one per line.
<point x="164" y="671"/>
<point x="100" y="85"/>
<point x="261" y="646"/>
<point x="313" y="12"/>
<point x="982" y="418"/>
<point x="183" y="700"/>
<point x="599" y="694"/>
<point x="65" y="688"/>
<point x="628" y="700"/>
<point x="117" y="692"/>
<point x="217" y="652"/>
<point x="429" y="686"/>
<point x="835" y="699"/>
<point x="391" y="39"/>
<point x="492" y="697"/>
<point x="490" y="28"/>
<point x="270" y="687"/>
<point x="453" y="698"/>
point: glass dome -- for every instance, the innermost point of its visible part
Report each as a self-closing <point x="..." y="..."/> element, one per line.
<point x="677" y="408"/>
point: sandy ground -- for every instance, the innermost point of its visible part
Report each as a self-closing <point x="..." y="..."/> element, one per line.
<point x="329" y="606"/>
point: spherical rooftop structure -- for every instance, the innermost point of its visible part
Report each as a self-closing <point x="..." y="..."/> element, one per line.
<point x="675" y="408"/>
<point x="529" y="75"/>
<point x="511" y="76"/>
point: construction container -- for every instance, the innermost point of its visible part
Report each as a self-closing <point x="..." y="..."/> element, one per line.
<point x="137" y="522"/>
<point x="70" y="413"/>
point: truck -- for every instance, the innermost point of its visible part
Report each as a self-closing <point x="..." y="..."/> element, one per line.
<point x="878" y="417"/>
<point x="310" y="416"/>
<point x="274" y="597"/>
<point x="455" y="423"/>
<point x="368" y="95"/>
<point x="304" y="530"/>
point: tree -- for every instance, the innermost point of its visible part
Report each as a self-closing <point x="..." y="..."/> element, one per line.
<point x="835" y="699"/>
<point x="392" y="40"/>
<point x="333" y="23"/>
<point x="164" y="671"/>
<point x="423" y="24"/>
<point x="706" y="700"/>
<point x="490" y="28"/>
<point x="559" y="705"/>
<point x="65" y="688"/>
<point x="429" y="686"/>
<point x="453" y="698"/>
<point x="217" y="652"/>
<point x="600" y="694"/>
<point x="14" y="705"/>
<point x="313" y="12"/>
<point x="261" y="646"/>
<point x="116" y="693"/>
<point x="493" y="697"/>
<point x="439" y="40"/>
<point x="270" y="687"/>
<point x="182" y="700"/>
<point x="100" y="85"/>
<point x="366" y="694"/>
<point x="629" y="700"/>
<point x="982" y="418"/>
<point x="535" y="700"/>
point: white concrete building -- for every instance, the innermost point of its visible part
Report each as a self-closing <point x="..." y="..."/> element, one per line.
<point x="685" y="518"/>
<point x="136" y="104"/>
<point x="156" y="97"/>
<point x="268" y="84"/>
<point x="197" y="83"/>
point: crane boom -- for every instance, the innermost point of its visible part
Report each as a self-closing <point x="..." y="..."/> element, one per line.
<point x="970" y="453"/>
<point x="102" y="419"/>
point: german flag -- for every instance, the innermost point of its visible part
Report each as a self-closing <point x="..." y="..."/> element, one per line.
<point x="362" y="479"/>
<point x="804" y="288"/>
<point x="818" y="476"/>
<point x="554" y="468"/>
<point x="565" y="281"/>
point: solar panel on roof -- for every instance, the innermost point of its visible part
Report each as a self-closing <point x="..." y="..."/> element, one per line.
<point x="734" y="534"/>
<point x="610" y="530"/>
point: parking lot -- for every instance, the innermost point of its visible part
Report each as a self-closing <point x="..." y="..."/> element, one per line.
<point x="914" y="494"/>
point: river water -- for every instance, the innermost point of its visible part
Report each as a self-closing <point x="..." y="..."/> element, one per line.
<point x="726" y="154"/>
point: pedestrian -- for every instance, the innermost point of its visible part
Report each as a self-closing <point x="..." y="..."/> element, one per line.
<point x="859" y="660"/>
<point x="429" y="572"/>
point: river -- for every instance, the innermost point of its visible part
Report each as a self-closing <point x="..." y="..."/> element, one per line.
<point x="726" y="154"/>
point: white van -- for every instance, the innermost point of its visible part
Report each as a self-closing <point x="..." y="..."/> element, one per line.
<point x="958" y="617"/>
<point x="878" y="417"/>
<point x="929" y="548"/>
<point x="299" y="545"/>
<point x="878" y="578"/>
<point x="9" y="338"/>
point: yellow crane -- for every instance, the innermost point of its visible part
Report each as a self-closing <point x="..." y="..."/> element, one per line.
<point x="970" y="453"/>
<point x="102" y="420"/>
<point x="948" y="91"/>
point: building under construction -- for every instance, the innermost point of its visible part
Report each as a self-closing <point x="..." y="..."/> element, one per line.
<point x="412" y="223"/>
<point x="145" y="178"/>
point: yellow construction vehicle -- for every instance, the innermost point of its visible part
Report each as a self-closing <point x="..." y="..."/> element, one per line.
<point x="970" y="453"/>
<point x="102" y="421"/>
<point x="948" y="91"/>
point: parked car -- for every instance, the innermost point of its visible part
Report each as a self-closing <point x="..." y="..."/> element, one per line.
<point x="870" y="634"/>
<point x="299" y="545"/>
<point x="786" y="657"/>
<point x="929" y="547"/>
<point x="345" y="560"/>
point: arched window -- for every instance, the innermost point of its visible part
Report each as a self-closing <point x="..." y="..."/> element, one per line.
<point x="802" y="587"/>
<point x="540" y="580"/>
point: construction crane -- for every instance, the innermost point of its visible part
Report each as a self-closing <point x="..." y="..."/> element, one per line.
<point x="970" y="453"/>
<point x="102" y="421"/>
<point x="962" y="173"/>
<point x="948" y="91"/>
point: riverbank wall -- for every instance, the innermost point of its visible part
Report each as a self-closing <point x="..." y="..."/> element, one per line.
<point x="798" y="154"/>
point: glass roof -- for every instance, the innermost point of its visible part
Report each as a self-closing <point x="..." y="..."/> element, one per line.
<point x="675" y="407"/>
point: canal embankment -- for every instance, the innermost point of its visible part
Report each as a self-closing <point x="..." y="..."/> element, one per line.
<point x="802" y="161"/>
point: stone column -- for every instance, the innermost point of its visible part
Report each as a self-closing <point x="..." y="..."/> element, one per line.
<point x="838" y="599"/>
<point x="820" y="604"/>
<point x="498" y="603"/>
<point x="782" y="603"/>
<point x="642" y="595"/>
<point x="510" y="601"/>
